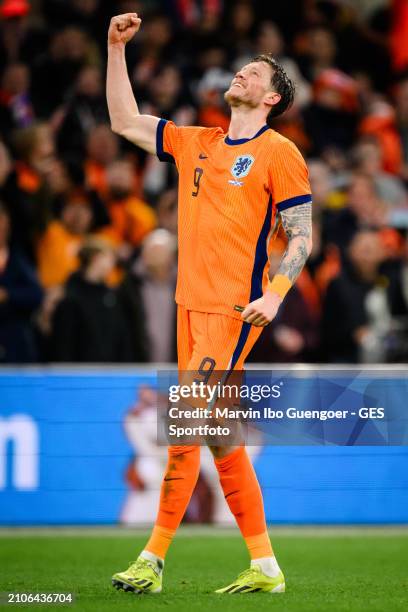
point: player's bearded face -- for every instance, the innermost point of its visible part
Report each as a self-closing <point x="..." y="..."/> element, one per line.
<point x="250" y="85"/>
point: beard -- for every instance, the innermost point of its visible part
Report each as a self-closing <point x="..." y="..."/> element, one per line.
<point x="232" y="99"/>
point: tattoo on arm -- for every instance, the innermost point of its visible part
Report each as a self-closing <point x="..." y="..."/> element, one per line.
<point x="297" y="223"/>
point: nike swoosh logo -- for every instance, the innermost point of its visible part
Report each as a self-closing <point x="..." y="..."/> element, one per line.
<point x="167" y="479"/>
<point x="202" y="156"/>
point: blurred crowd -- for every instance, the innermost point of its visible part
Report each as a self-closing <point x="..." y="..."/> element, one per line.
<point x="88" y="223"/>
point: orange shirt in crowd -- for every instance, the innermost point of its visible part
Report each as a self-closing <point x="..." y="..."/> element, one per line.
<point x="96" y="179"/>
<point x="131" y="220"/>
<point x="57" y="257"/>
<point x="211" y="116"/>
<point x="385" y="130"/>
<point x="27" y="179"/>
<point x="95" y="176"/>
<point x="57" y="254"/>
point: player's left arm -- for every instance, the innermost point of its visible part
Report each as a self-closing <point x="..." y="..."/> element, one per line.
<point x="297" y="223"/>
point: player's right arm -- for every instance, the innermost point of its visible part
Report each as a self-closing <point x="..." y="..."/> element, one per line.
<point x="123" y="110"/>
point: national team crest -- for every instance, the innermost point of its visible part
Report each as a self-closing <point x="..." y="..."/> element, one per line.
<point x="242" y="166"/>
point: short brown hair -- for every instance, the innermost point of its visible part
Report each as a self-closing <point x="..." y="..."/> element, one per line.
<point x="91" y="247"/>
<point x="281" y="83"/>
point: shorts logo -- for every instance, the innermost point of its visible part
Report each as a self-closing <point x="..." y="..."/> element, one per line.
<point x="242" y="166"/>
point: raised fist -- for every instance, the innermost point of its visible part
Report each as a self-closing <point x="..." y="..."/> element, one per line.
<point x="122" y="28"/>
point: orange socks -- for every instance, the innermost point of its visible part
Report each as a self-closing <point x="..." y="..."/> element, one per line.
<point x="177" y="487"/>
<point x="241" y="490"/>
<point x="244" y="498"/>
<point x="160" y="541"/>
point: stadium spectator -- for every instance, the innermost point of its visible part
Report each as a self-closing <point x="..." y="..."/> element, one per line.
<point x="402" y="121"/>
<point x="213" y="111"/>
<point x="269" y="39"/>
<point x="102" y="150"/>
<point x="43" y="321"/>
<point x="368" y="156"/>
<point x="364" y="209"/>
<point x="165" y="96"/>
<point x="331" y="119"/>
<point x="57" y="248"/>
<point x="147" y="294"/>
<point x="397" y="273"/>
<point x="5" y="166"/>
<point x="89" y="324"/>
<point x="380" y="122"/>
<point x="85" y="110"/>
<point x="323" y="265"/>
<point x="20" y="41"/>
<point x="241" y="22"/>
<point x="88" y="15"/>
<point x="320" y="52"/>
<point x="154" y="47"/>
<point x="322" y="183"/>
<point x="20" y="296"/>
<point x="15" y="104"/>
<point x="68" y="52"/>
<point x="357" y="308"/>
<point x="28" y="194"/>
<point x="131" y="218"/>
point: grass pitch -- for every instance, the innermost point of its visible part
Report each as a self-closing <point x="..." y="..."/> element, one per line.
<point x="326" y="571"/>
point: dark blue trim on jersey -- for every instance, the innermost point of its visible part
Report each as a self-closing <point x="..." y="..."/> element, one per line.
<point x="243" y="337"/>
<point x="302" y="199"/>
<point x="161" y="154"/>
<point x="229" y="140"/>
<point x="261" y="258"/>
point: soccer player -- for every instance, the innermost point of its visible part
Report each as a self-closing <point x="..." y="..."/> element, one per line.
<point x="232" y="187"/>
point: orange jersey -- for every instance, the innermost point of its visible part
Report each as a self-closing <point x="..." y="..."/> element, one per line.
<point x="229" y="194"/>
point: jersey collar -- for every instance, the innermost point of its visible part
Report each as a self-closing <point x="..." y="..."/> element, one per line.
<point x="229" y="140"/>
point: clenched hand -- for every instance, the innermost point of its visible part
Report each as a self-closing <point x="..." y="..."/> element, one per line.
<point x="122" y="28"/>
<point x="262" y="311"/>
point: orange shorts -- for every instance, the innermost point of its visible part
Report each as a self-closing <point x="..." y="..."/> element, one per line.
<point x="213" y="341"/>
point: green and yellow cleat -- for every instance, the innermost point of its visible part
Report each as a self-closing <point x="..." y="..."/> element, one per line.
<point x="142" y="576"/>
<point x="253" y="580"/>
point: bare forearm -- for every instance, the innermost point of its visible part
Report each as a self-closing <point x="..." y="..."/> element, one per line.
<point x="294" y="258"/>
<point x="297" y="223"/>
<point x="121" y="101"/>
<point x="124" y="113"/>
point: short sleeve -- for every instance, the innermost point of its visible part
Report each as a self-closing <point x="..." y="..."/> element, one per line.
<point x="172" y="141"/>
<point x="289" y="177"/>
<point x="168" y="141"/>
